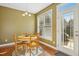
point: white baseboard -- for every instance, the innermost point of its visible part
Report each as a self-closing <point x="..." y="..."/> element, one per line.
<point x="39" y="41"/>
<point x="48" y="45"/>
<point x="7" y="44"/>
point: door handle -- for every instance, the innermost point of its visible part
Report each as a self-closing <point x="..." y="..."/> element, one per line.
<point x="76" y="31"/>
<point x="76" y="34"/>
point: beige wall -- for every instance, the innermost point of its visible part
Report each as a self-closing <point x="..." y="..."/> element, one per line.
<point x="11" y="21"/>
<point x="53" y="7"/>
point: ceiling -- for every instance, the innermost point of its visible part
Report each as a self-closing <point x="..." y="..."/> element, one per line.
<point x="30" y="7"/>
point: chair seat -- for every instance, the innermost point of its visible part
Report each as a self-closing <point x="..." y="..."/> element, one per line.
<point x="21" y="43"/>
<point x="33" y="44"/>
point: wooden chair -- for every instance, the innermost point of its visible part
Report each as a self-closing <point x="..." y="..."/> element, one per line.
<point x="19" y="43"/>
<point x="34" y="43"/>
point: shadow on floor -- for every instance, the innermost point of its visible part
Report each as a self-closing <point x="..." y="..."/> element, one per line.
<point x="59" y="53"/>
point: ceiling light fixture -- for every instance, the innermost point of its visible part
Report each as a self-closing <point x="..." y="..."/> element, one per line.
<point x="26" y="13"/>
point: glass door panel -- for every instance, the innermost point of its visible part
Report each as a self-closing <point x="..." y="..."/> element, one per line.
<point x="68" y="30"/>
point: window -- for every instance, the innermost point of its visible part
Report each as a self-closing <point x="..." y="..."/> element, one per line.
<point x="45" y="25"/>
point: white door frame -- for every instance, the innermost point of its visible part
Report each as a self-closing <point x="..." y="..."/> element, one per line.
<point x="76" y="31"/>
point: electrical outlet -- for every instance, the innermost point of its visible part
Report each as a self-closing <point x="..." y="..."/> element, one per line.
<point x="5" y="40"/>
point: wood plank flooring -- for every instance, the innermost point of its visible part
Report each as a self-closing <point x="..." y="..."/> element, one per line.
<point x="9" y="49"/>
<point x="49" y="50"/>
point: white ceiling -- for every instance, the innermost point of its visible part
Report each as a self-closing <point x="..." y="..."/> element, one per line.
<point x="30" y="7"/>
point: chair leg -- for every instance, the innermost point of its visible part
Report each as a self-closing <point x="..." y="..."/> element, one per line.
<point x="16" y="51"/>
<point x="24" y="50"/>
<point x="36" y="50"/>
<point x="27" y="49"/>
<point x="30" y="51"/>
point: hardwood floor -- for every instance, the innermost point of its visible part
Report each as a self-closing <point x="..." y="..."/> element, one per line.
<point x="7" y="50"/>
<point x="49" y="50"/>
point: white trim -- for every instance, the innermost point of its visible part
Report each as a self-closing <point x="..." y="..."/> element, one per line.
<point x="39" y="41"/>
<point x="7" y="44"/>
<point x="48" y="45"/>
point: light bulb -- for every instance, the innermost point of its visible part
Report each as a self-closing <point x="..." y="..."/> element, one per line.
<point x="23" y="14"/>
<point x="29" y="14"/>
<point x="26" y="13"/>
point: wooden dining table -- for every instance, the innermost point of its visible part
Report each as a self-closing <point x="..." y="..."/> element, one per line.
<point x="28" y="38"/>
